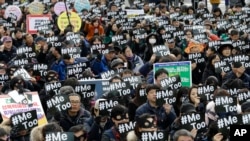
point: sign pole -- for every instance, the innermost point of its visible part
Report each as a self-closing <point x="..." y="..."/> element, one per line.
<point x="67" y="12"/>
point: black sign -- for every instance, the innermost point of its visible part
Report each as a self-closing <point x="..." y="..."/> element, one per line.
<point x="59" y="136"/>
<point x="24" y="120"/>
<point x="41" y="69"/>
<point x="225" y="123"/>
<point x="122" y="87"/>
<point x="197" y="57"/>
<point x="222" y="66"/>
<point x="110" y="73"/>
<point x="193" y="121"/>
<point x="154" y="136"/>
<point x="161" y="50"/>
<point x="173" y="82"/>
<point x="165" y="96"/>
<point x="133" y="80"/>
<point x="58" y="103"/>
<point x="76" y="70"/>
<point x="86" y="90"/>
<point x="105" y="106"/>
<point x="74" y="52"/>
<point x="225" y="104"/>
<point x="206" y="92"/>
<point x="52" y="88"/>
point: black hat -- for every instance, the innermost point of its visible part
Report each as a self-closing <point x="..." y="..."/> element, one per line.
<point x="187" y="108"/>
<point x="40" y="38"/>
<point x="245" y="106"/>
<point x="225" y="44"/>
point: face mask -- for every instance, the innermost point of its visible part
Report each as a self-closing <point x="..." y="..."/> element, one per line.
<point x="152" y="41"/>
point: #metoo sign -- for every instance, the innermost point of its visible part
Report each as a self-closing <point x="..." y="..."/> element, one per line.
<point x="225" y="104"/>
<point x="193" y="121"/>
<point x="25" y="120"/>
<point x="59" y="136"/>
<point x="154" y="136"/>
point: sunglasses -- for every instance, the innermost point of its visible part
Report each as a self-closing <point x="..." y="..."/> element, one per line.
<point x="121" y="117"/>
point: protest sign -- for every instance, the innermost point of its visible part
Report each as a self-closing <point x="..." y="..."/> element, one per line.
<point x="74" y="18"/>
<point x="40" y="69"/>
<point x="225" y="104"/>
<point x="182" y="68"/>
<point x="8" y="107"/>
<point x="74" y="52"/>
<point x="154" y="136"/>
<point x="206" y="92"/>
<point x="165" y="97"/>
<point x="36" y="8"/>
<point x="161" y="50"/>
<point x="124" y="128"/>
<point x="79" y="5"/>
<point x="34" y="21"/>
<point x="86" y="90"/>
<point x="133" y="80"/>
<point x="105" y="106"/>
<point x="58" y="103"/>
<point x="52" y="88"/>
<point x="3" y="78"/>
<point x="225" y="123"/>
<point x="13" y="12"/>
<point x="22" y="72"/>
<point x="59" y="8"/>
<point x="172" y="82"/>
<point x="110" y="73"/>
<point x="24" y="120"/>
<point x="59" y="136"/>
<point x="191" y="121"/>
<point x="103" y="86"/>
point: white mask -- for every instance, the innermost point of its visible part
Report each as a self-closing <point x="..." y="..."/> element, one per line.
<point x="152" y="41"/>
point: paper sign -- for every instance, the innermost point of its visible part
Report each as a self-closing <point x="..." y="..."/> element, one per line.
<point x="182" y="68"/>
<point x="23" y="73"/>
<point x="74" y="18"/>
<point x="59" y="8"/>
<point x="33" y="22"/>
<point x="59" y="136"/>
<point x="15" y="10"/>
<point x="8" y="107"/>
<point x="79" y="5"/>
<point x="25" y="120"/>
<point x="36" y="8"/>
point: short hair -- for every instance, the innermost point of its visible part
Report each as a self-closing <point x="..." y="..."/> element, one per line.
<point x="234" y="32"/>
<point x="66" y="56"/>
<point x="115" y="77"/>
<point x="182" y="132"/>
<point x="160" y="71"/>
<point x="66" y="90"/>
<point x="76" y="128"/>
<point x="3" y="132"/>
<point x="151" y="86"/>
<point x="75" y="94"/>
<point x="118" y="110"/>
<point x="51" y="127"/>
<point x="71" y="81"/>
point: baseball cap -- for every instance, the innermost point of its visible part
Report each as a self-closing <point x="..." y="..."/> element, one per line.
<point x="116" y="62"/>
<point x="7" y="39"/>
<point x="245" y="106"/>
<point x="40" y="38"/>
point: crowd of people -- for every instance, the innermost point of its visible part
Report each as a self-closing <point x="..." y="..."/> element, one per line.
<point x="124" y="46"/>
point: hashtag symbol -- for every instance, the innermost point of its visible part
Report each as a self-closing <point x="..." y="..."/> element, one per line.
<point x="220" y="123"/>
<point x="236" y="58"/>
<point x="184" y="119"/>
<point x="48" y="137"/>
<point x="101" y="105"/>
<point x="158" y="95"/>
<point x="121" y="128"/>
<point x="49" y="103"/>
<point x="217" y="101"/>
<point x="144" y="136"/>
<point x="70" y="71"/>
<point x="141" y="92"/>
<point x="240" y="97"/>
<point x="163" y="83"/>
<point x="245" y="118"/>
<point x="15" y="120"/>
<point x="35" y="67"/>
<point x="200" y="90"/>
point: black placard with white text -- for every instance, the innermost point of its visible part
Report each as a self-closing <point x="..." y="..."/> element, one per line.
<point x="25" y="120"/>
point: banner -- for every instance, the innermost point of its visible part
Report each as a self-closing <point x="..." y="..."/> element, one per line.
<point x="33" y="21"/>
<point x="182" y="68"/>
<point x="9" y="107"/>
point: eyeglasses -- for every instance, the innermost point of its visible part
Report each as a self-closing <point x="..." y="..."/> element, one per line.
<point x="74" y="102"/>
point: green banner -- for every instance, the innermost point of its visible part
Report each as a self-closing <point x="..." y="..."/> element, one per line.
<point x="182" y="68"/>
